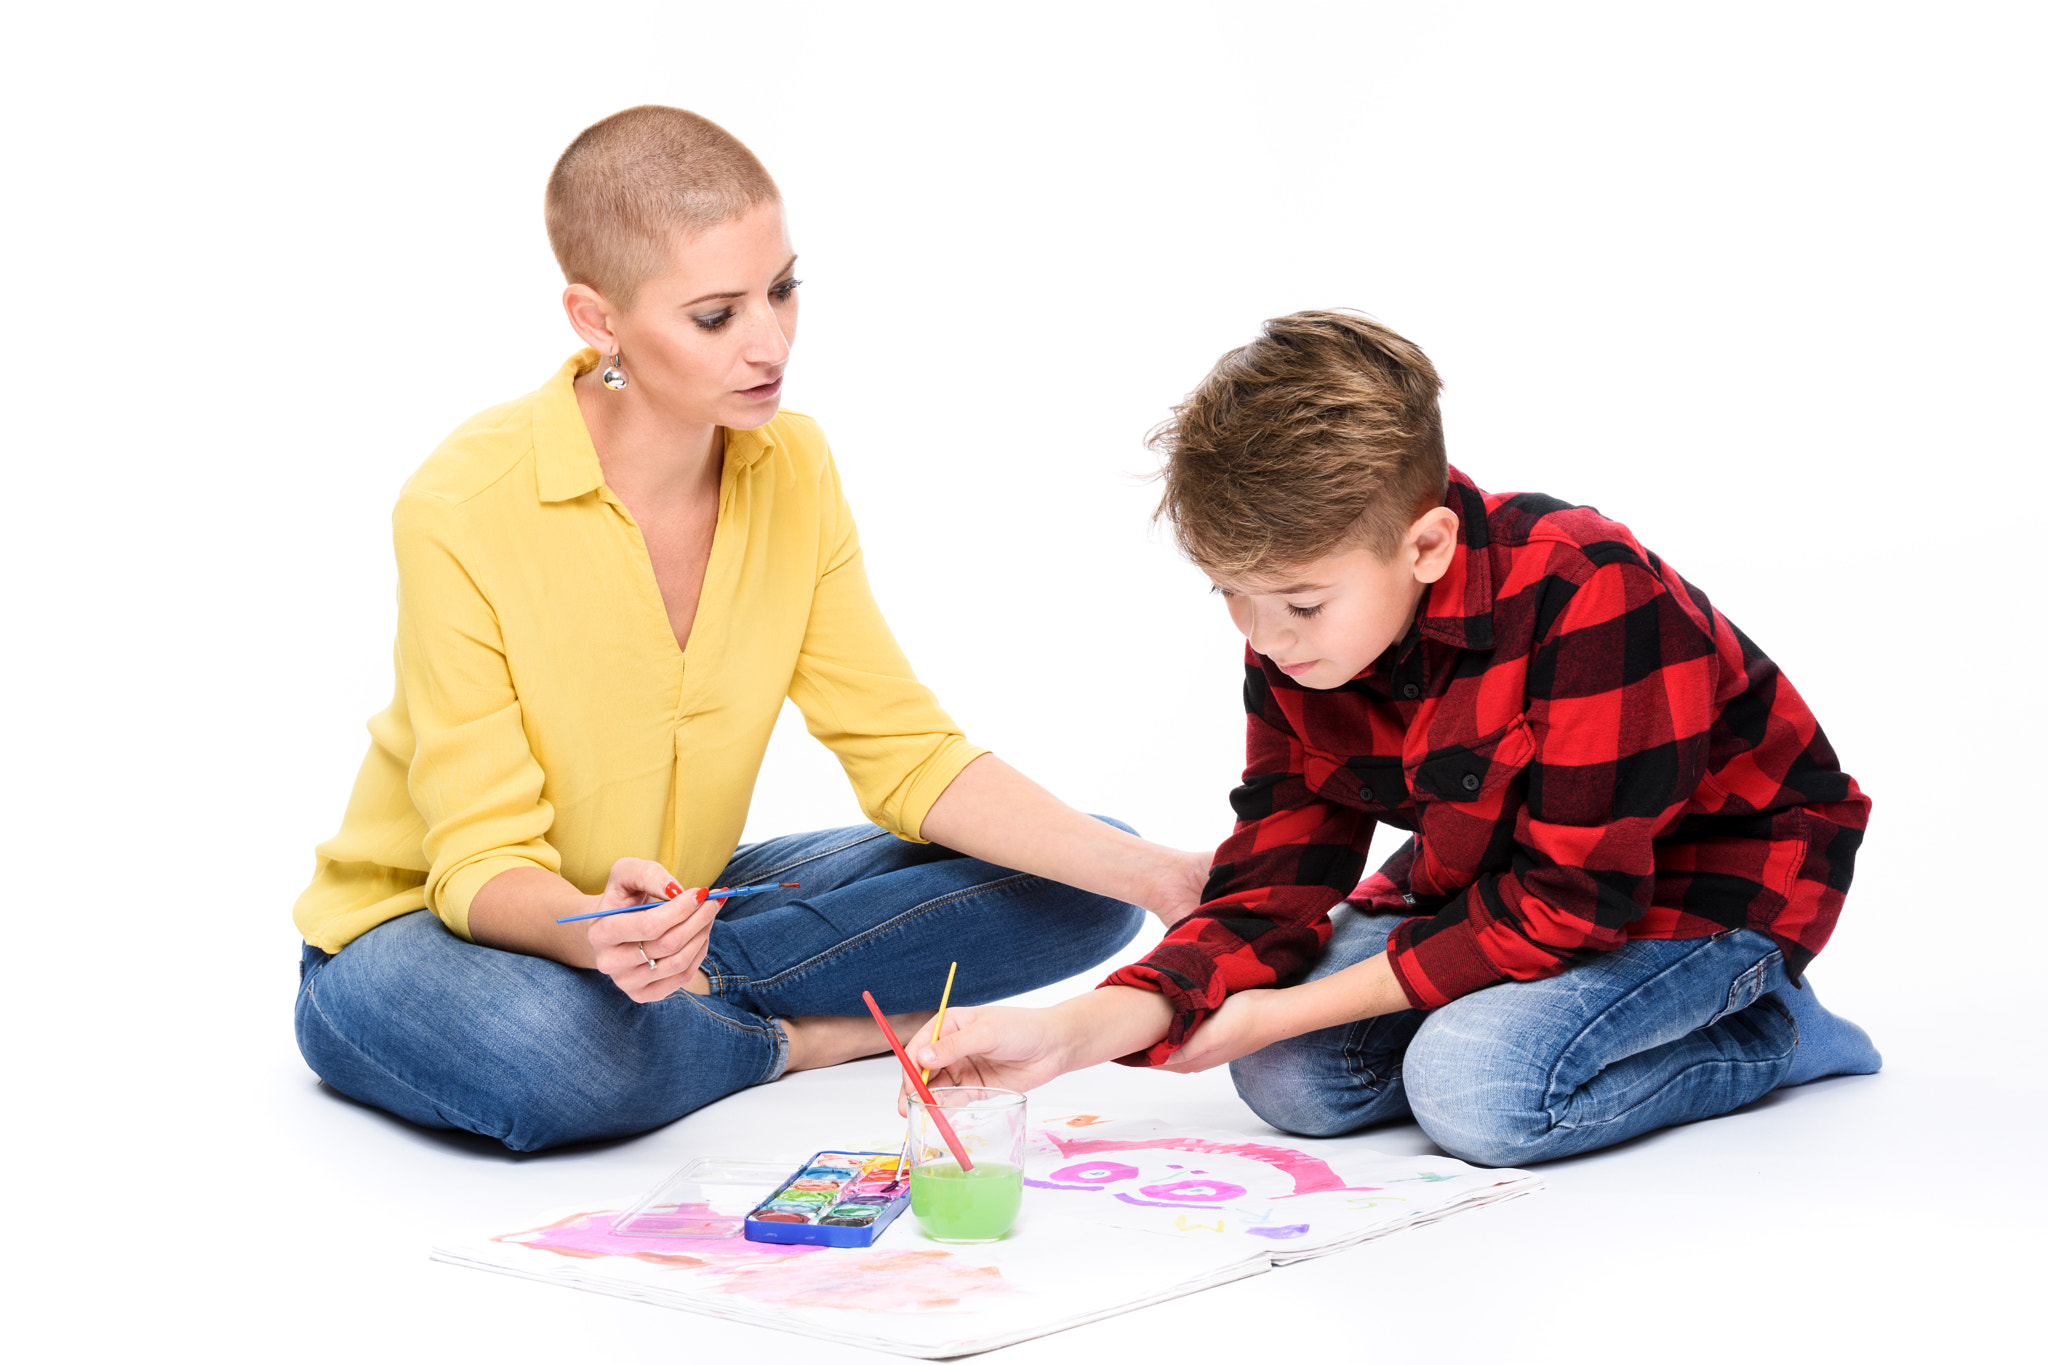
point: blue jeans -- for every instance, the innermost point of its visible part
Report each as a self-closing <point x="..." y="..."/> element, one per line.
<point x="449" y="1034"/>
<point x="1655" y="1033"/>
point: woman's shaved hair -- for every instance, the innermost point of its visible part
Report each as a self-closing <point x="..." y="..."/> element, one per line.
<point x="630" y="185"/>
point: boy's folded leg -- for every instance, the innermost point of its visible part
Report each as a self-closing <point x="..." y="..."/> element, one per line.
<point x="1829" y="1045"/>
<point x="1655" y="1033"/>
<point x="1334" y="1080"/>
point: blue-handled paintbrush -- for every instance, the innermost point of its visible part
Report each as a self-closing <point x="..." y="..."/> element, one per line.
<point x="723" y="893"/>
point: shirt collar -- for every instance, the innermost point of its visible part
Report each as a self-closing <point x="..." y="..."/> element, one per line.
<point x="1458" y="609"/>
<point x="565" y="460"/>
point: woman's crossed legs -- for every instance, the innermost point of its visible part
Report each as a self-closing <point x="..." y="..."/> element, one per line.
<point x="449" y="1034"/>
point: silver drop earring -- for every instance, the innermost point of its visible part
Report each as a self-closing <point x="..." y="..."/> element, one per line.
<point x="613" y="376"/>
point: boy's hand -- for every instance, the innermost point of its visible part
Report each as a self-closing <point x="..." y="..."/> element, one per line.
<point x="1243" y="1024"/>
<point x="1254" y="1019"/>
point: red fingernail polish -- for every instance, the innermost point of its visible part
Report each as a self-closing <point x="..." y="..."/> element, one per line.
<point x="702" y="895"/>
<point x="674" y="891"/>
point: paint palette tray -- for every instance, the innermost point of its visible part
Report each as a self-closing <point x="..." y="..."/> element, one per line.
<point x="710" y="1197"/>
<point x="835" y="1199"/>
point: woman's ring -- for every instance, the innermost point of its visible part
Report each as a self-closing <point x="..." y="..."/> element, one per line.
<point x="644" y="957"/>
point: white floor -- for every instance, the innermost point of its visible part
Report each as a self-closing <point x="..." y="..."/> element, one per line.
<point x="1759" y="281"/>
<point x="249" y="1213"/>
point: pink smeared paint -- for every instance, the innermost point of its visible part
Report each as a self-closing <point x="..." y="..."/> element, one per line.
<point x="772" y="1273"/>
<point x="881" y="1282"/>
<point x="1309" y="1174"/>
<point x="587" y="1236"/>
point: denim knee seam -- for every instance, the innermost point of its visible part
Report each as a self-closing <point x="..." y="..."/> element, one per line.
<point x="1550" y="1081"/>
<point x="913" y="913"/>
<point x="1652" y="1097"/>
<point x="426" y="1100"/>
<point x="1355" y="1063"/>
<point x="812" y="855"/>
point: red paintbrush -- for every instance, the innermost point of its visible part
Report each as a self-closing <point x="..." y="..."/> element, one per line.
<point x="917" y="1082"/>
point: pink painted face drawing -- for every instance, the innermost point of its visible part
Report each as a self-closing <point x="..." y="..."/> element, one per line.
<point x="1192" y="1174"/>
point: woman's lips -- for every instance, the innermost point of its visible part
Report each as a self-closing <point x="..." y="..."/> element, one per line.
<point x="761" y="391"/>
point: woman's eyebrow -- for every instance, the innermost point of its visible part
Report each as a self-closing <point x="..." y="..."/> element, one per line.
<point x="738" y="293"/>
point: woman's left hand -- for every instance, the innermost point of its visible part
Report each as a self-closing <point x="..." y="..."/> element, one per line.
<point x="1178" y="888"/>
<point x="650" y="954"/>
<point x="1241" y="1025"/>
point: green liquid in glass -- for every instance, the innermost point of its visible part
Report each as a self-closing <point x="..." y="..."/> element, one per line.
<point x="966" y="1206"/>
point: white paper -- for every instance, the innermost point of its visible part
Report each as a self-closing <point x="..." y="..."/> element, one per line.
<point x="1118" y="1215"/>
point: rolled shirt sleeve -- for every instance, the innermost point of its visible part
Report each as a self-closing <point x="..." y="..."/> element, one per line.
<point x="1265" y="910"/>
<point x="473" y="778"/>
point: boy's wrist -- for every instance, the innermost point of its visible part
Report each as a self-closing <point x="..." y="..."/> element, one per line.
<point x="1364" y="990"/>
<point x="1110" y="1022"/>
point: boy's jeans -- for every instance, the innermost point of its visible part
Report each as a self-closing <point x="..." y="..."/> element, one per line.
<point x="1655" y="1033"/>
<point x="450" y="1034"/>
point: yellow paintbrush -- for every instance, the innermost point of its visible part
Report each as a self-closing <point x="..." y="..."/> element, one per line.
<point x="940" y="1017"/>
<point x="903" y="1157"/>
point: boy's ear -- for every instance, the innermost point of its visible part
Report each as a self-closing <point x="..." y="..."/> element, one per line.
<point x="1434" y="540"/>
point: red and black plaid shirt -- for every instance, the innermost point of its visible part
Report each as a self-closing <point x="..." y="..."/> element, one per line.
<point x="1585" y="750"/>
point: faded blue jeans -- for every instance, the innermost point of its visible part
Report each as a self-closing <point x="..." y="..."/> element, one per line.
<point x="1654" y="1033"/>
<point x="449" y="1034"/>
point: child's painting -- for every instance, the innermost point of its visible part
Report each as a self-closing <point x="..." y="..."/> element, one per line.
<point x="1298" y="1197"/>
<point x="1117" y="1215"/>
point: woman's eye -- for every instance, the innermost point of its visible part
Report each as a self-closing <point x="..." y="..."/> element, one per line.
<point x="1306" y="612"/>
<point x="711" y="322"/>
<point x="785" y="289"/>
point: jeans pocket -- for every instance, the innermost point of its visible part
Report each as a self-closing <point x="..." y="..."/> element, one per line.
<point x="1744" y="990"/>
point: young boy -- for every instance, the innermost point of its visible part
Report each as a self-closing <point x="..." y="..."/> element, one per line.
<point x="1628" y="834"/>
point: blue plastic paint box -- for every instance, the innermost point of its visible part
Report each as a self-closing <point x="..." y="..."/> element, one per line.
<point x="835" y="1199"/>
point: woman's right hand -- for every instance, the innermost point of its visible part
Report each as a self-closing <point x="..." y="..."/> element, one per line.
<point x="672" y="936"/>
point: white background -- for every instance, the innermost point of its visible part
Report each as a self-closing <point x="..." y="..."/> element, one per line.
<point x="1763" y="282"/>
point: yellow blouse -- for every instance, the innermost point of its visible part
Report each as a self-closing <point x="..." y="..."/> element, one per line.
<point x="544" y="716"/>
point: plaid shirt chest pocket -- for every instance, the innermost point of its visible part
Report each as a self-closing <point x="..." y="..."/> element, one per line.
<point x="1369" y="782"/>
<point x="1466" y="798"/>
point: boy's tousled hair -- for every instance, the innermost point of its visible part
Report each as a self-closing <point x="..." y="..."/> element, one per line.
<point x="630" y="184"/>
<point x="1320" y="433"/>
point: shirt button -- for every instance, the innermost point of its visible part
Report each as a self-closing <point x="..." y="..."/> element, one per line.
<point x="1470" y="782"/>
<point x="1410" y="691"/>
<point x="1365" y="794"/>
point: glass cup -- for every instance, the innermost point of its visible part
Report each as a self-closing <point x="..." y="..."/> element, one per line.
<point x="976" y="1205"/>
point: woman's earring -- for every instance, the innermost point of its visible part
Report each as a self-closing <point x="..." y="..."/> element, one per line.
<point x="613" y="376"/>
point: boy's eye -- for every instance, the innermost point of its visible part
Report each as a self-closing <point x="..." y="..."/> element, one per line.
<point x="1306" y="612"/>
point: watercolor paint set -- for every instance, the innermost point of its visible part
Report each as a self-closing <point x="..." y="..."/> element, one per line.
<point x="836" y="1199"/>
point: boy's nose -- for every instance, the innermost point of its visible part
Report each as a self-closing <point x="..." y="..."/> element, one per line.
<point x="1265" y="634"/>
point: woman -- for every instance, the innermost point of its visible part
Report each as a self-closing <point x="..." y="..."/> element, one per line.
<point x="606" y="589"/>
